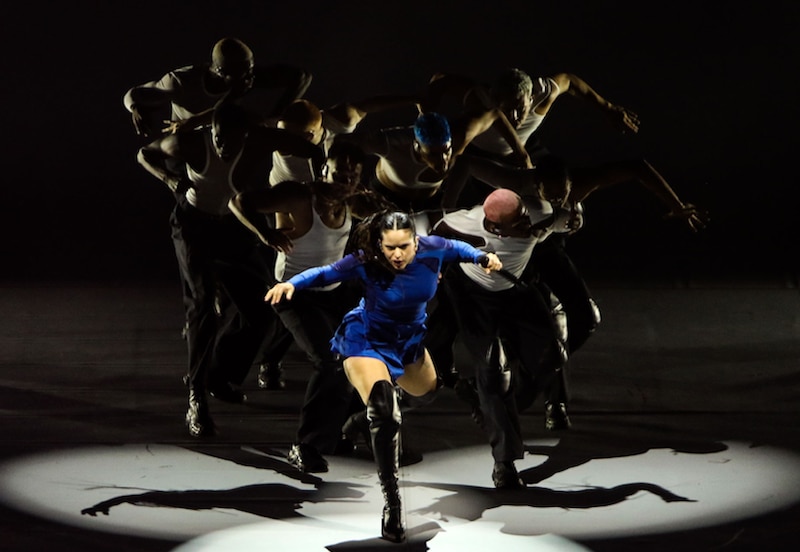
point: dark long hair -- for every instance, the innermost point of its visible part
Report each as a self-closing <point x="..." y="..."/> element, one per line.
<point x="366" y="240"/>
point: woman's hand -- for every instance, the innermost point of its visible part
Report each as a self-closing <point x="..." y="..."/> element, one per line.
<point x="491" y="262"/>
<point x="278" y="292"/>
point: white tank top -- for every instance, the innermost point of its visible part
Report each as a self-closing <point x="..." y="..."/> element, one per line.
<point x="212" y="187"/>
<point x="319" y="246"/>
<point x="299" y="169"/>
<point x="513" y="252"/>
<point x="493" y="142"/>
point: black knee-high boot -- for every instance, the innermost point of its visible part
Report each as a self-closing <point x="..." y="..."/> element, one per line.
<point x="384" y="417"/>
<point x="357" y="424"/>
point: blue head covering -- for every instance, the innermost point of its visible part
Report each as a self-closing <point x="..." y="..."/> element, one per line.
<point x="432" y="129"/>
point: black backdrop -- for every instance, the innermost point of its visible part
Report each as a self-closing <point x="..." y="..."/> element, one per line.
<point x="713" y="82"/>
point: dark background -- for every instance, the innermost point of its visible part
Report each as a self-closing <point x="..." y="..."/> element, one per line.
<point x="714" y="84"/>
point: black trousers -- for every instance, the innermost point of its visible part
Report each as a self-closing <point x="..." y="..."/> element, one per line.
<point x="219" y="261"/>
<point x="518" y="321"/>
<point x="312" y="317"/>
<point x="552" y="266"/>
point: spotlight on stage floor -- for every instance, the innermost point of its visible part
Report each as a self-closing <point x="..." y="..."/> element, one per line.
<point x="199" y="495"/>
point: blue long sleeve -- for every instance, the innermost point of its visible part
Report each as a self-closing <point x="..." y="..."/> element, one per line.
<point x="457" y="250"/>
<point x="319" y="276"/>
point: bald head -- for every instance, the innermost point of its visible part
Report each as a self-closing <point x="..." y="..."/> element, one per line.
<point x="502" y="206"/>
<point x="231" y="50"/>
<point x="303" y="118"/>
<point x="232" y="60"/>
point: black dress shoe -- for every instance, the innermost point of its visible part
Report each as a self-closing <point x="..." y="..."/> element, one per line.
<point x="226" y="393"/>
<point x="198" y="419"/>
<point x="555" y="417"/>
<point x="307" y="459"/>
<point x="200" y="425"/>
<point x="505" y="476"/>
<point x="270" y="376"/>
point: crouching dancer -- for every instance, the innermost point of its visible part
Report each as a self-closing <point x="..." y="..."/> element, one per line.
<point x="381" y="340"/>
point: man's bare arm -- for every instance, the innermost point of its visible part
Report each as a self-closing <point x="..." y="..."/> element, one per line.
<point x="625" y="119"/>
<point x="587" y="180"/>
<point x="351" y="114"/>
<point x="250" y="206"/>
<point x="154" y="157"/>
<point x="143" y="101"/>
<point x="471" y="124"/>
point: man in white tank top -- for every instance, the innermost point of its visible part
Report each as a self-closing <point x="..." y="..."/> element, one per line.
<point x="194" y="90"/>
<point x="186" y="95"/>
<point x="550" y="268"/>
<point x="313" y="223"/>
<point x="498" y="314"/>
<point x="525" y="102"/>
<point x="215" y="253"/>
<point x="321" y="126"/>
<point x="414" y="161"/>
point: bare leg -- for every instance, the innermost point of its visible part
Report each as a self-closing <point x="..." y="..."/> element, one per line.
<point x="364" y="372"/>
<point x="420" y="377"/>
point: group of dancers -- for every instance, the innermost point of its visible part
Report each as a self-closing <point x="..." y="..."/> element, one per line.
<point x="376" y="252"/>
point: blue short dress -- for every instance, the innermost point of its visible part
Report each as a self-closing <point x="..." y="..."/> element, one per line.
<point x="389" y="322"/>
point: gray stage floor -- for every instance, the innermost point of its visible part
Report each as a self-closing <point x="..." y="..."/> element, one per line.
<point x="686" y="436"/>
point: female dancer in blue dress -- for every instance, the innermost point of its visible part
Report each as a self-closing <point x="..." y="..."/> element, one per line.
<point x="381" y="339"/>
